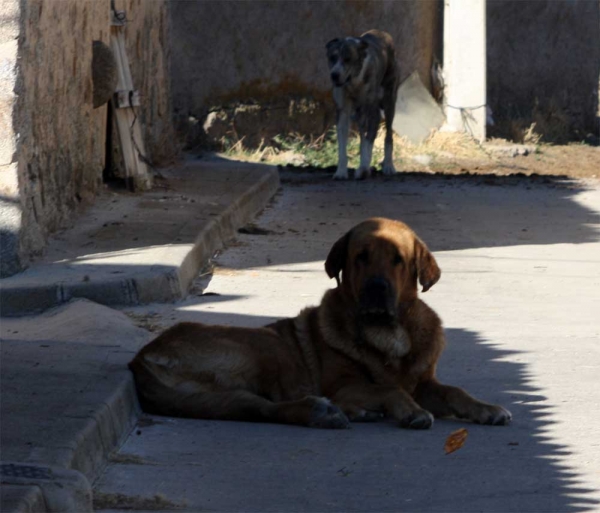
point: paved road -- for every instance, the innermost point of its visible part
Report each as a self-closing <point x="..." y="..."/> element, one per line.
<point x="519" y="295"/>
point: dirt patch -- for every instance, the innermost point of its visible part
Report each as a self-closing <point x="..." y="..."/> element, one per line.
<point x="148" y="321"/>
<point x="252" y="229"/>
<point x="571" y="161"/>
<point x="129" y="459"/>
<point x="121" y="501"/>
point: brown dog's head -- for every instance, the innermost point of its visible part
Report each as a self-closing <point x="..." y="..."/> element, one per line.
<point x="380" y="261"/>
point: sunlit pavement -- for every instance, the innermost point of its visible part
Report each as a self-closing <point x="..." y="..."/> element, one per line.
<point x="519" y="296"/>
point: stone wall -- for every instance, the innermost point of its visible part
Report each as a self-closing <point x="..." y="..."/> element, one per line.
<point x="273" y="51"/>
<point x="543" y="60"/>
<point x="60" y="135"/>
<point x="53" y="141"/>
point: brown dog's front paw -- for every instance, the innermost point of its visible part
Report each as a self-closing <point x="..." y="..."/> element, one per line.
<point x="419" y="419"/>
<point x="493" y="415"/>
<point x="326" y="415"/>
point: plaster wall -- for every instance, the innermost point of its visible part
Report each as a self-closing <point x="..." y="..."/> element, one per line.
<point x="543" y="64"/>
<point x="268" y="50"/>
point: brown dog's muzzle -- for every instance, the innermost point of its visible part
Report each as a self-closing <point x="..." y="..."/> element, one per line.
<point x="377" y="301"/>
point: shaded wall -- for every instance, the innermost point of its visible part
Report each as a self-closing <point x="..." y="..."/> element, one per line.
<point x="53" y="141"/>
<point x="268" y="50"/>
<point x="60" y="151"/>
<point x="543" y="63"/>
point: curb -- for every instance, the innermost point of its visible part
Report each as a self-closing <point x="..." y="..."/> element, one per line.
<point x="224" y="227"/>
<point x="66" y="484"/>
<point x="150" y="286"/>
<point x="44" y="488"/>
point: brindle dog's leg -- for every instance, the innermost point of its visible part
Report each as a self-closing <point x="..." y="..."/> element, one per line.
<point x="369" y="124"/>
<point x="343" y="129"/>
<point x="448" y="401"/>
<point x="389" y="109"/>
<point x="363" y="402"/>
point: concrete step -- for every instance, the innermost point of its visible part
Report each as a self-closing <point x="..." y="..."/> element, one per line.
<point x="132" y="249"/>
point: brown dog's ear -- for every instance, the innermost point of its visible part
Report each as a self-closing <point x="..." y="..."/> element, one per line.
<point x="336" y="260"/>
<point x="427" y="269"/>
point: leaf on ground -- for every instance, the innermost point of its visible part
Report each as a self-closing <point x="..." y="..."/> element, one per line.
<point x="455" y="440"/>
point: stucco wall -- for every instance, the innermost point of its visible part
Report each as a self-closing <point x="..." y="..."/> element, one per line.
<point x="53" y="141"/>
<point x="271" y="49"/>
<point x="543" y="63"/>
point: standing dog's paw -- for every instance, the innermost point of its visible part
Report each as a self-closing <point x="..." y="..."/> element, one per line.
<point x="362" y="173"/>
<point x="341" y="174"/>
<point x="493" y="415"/>
<point x="388" y="169"/>
<point x="419" y="419"/>
<point x="324" y="414"/>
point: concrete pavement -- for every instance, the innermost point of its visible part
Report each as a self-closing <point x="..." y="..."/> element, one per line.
<point x="139" y="248"/>
<point x="68" y="399"/>
<point x="519" y="296"/>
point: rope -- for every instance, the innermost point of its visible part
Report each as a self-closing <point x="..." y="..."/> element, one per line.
<point x="141" y="156"/>
<point x="467" y="117"/>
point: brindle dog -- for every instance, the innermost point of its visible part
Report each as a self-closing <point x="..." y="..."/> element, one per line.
<point x="365" y="79"/>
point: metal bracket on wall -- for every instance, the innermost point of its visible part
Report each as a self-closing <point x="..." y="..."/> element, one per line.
<point x="125" y="100"/>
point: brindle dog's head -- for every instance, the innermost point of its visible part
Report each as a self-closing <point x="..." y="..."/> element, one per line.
<point x="345" y="57"/>
<point x="380" y="261"/>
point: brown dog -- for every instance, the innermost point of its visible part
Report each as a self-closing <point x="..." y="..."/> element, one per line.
<point x="369" y="349"/>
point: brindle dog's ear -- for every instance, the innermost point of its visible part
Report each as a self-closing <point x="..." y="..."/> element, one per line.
<point x="332" y="44"/>
<point x="427" y="269"/>
<point x="336" y="260"/>
<point x="362" y="46"/>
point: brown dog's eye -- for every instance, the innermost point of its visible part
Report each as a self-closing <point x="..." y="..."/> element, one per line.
<point x="398" y="259"/>
<point x="362" y="257"/>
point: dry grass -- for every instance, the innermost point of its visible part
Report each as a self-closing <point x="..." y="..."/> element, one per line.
<point x="237" y="150"/>
<point x="441" y="152"/>
<point x="321" y="151"/>
<point x="547" y="122"/>
<point x="437" y="145"/>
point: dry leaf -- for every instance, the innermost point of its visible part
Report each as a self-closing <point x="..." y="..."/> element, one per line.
<point x="455" y="440"/>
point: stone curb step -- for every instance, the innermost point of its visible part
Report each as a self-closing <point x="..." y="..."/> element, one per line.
<point x="151" y="286"/>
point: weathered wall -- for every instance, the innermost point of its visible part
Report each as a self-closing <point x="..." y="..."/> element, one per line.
<point x="543" y="59"/>
<point x="61" y="137"/>
<point x="53" y="142"/>
<point x="147" y="36"/>
<point x="10" y="208"/>
<point x="271" y="49"/>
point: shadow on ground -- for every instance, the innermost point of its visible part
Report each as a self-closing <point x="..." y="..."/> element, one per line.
<point x="448" y="212"/>
<point x="372" y="467"/>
